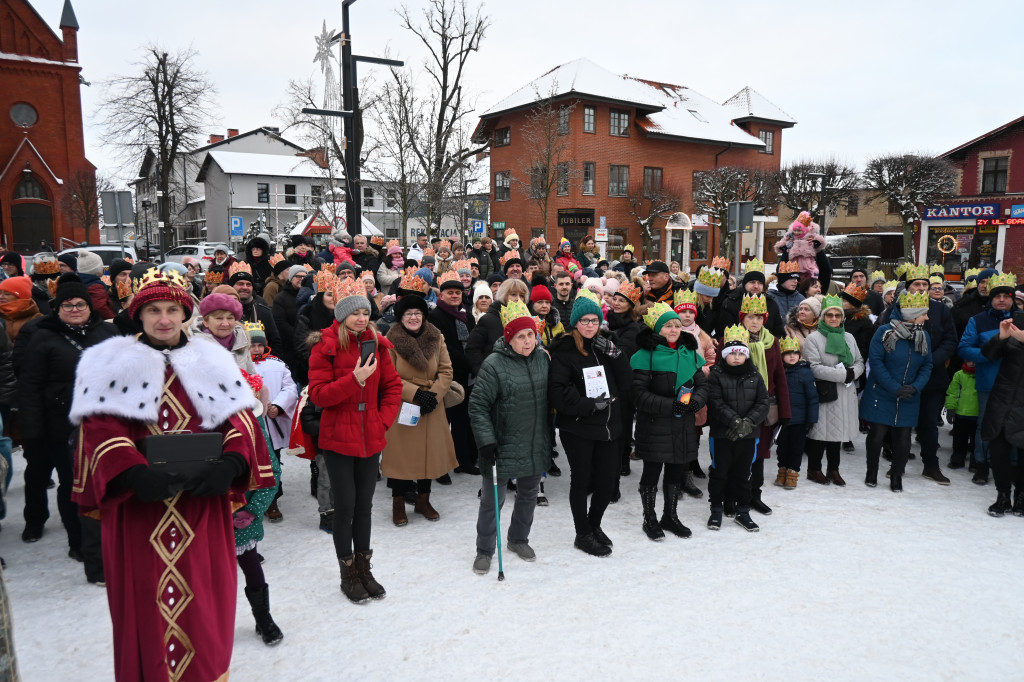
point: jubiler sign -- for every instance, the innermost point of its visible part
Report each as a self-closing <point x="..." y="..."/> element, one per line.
<point x="960" y="211"/>
<point x="575" y="217"/>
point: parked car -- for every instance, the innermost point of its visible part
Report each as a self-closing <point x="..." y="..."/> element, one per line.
<point x="106" y="252"/>
<point x="202" y="251"/>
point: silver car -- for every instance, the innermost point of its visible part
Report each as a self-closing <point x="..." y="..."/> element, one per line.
<point x="203" y="252"/>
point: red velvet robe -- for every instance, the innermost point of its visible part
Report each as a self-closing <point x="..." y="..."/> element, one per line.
<point x="169" y="566"/>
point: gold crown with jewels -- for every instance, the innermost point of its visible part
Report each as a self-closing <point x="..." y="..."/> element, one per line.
<point x="909" y="300"/>
<point x="513" y="310"/>
<point x="655" y="312"/>
<point x="736" y="334"/>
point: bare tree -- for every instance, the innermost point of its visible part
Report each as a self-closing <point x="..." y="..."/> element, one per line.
<point x="909" y="181"/>
<point x="650" y="201"/>
<point x="164" y="106"/>
<point x="818" y="187"/>
<point x="547" y="165"/>
<point x="713" y="190"/>
<point x="450" y="31"/>
<point x="81" y="201"/>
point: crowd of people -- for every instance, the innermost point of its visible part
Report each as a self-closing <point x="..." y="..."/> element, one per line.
<point x="166" y="398"/>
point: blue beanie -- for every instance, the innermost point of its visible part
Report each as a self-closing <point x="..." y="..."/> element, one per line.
<point x="986" y="273"/>
<point x="427" y="275"/>
<point x="584" y="306"/>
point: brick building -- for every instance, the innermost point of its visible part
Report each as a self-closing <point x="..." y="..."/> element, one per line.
<point x="623" y="134"/>
<point x="984" y="224"/>
<point x="42" y="151"/>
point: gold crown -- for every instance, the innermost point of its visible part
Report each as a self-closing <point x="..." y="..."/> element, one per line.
<point x="462" y="265"/>
<point x="684" y="277"/>
<point x="343" y="288"/>
<point x="876" y="276"/>
<point x="168" y="277"/>
<point x="590" y="294"/>
<point x="937" y="270"/>
<point x="902" y="268"/>
<point x="444" y="244"/>
<point x="831" y="302"/>
<point x="736" y="334"/>
<point x="917" y="272"/>
<point x="789" y="267"/>
<point x="655" y="312"/>
<point x="513" y="310"/>
<point x="429" y="252"/>
<point x="972" y="272"/>
<point x="890" y="286"/>
<point x="509" y="255"/>
<point x="251" y="327"/>
<point x="789" y="345"/>
<point x="412" y="282"/>
<point x="237" y="267"/>
<point x="721" y="263"/>
<point x="377" y="241"/>
<point x="684" y="297"/>
<point x="754" y="305"/>
<point x="630" y="292"/>
<point x="1007" y="279"/>
<point x="754" y="265"/>
<point x="628" y="247"/>
<point x="324" y="280"/>
<point x="450" y="276"/>
<point x="935" y="279"/>
<point x="276" y="258"/>
<point x="909" y="300"/>
<point x="211" y="278"/>
<point x="45" y="264"/>
<point x="857" y="292"/>
<point x="712" y="277"/>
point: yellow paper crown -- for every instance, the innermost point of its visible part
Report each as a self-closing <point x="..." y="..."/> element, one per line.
<point x="324" y="280"/>
<point x="450" y="276"/>
<point x="239" y="266"/>
<point x="712" y="277"/>
<point x="655" y="312"/>
<point x="935" y="279"/>
<point x="890" y="286"/>
<point x="628" y="247"/>
<point x="937" y="270"/>
<point x="909" y="300"/>
<point x="587" y="293"/>
<point x="412" y="282"/>
<point x="276" y="258"/>
<point x="876" y="276"/>
<point x="513" y="310"/>
<point x="789" y="266"/>
<point x="972" y="272"/>
<point x="917" y="272"/>
<point x="754" y="305"/>
<point x="789" y="345"/>
<point x="251" y="327"/>
<point x="1007" y="279"/>
<point x="902" y="268"/>
<point x="831" y="302"/>
<point x="683" y="297"/>
<point x="754" y="265"/>
<point x="721" y="263"/>
<point x="736" y="334"/>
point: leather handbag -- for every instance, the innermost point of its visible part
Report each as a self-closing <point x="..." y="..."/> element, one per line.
<point x="455" y="395"/>
<point x="773" y="411"/>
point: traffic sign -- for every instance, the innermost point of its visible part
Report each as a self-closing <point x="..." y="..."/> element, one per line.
<point x="498" y="225"/>
<point x="237" y="228"/>
<point x="478" y="227"/>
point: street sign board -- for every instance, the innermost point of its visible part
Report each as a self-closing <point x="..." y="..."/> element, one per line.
<point x="741" y="216"/>
<point x="478" y="227"/>
<point x="237" y="228"/>
<point x="498" y="225"/>
<point x="117" y="208"/>
<point x="601" y="234"/>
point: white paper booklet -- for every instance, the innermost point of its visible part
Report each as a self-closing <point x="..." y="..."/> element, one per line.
<point x="410" y="414"/>
<point x="595" y="381"/>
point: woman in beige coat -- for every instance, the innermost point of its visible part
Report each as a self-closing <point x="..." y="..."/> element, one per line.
<point x="424" y="451"/>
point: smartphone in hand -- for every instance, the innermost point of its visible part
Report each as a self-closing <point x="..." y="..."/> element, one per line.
<point x="366" y="350"/>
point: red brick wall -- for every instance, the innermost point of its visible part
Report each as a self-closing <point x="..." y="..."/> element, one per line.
<point x="1011" y="140"/>
<point x="1013" y="252"/>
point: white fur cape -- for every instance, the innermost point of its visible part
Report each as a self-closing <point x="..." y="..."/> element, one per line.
<point x="124" y="377"/>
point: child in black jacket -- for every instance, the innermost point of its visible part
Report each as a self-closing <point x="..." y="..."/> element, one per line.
<point x="738" y="403"/>
<point x="803" y="403"/>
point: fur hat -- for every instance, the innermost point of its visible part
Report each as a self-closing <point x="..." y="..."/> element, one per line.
<point x="89" y="263"/>
<point x="407" y="303"/>
<point x="69" y="286"/>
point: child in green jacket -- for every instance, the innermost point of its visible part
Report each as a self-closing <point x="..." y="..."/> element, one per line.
<point x="962" y="413"/>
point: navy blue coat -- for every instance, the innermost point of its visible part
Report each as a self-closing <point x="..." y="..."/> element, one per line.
<point x="890" y="371"/>
<point x="942" y="333"/>
<point x="803" y="396"/>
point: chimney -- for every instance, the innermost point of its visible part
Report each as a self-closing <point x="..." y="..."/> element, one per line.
<point x="216" y="138"/>
<point x="232" y="132"/>
<point x="69" y="32"/>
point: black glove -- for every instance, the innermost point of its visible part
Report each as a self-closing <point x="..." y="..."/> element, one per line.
<point x="733" y="433"/>
<point x="602" y="402"/>
<point x="489" y="454"/>
<point x="218" y="477"/>
<point x="427" y="400"/>
<point x="149" y="485"/>
<point x="603" y="345"/>
<point x="747" y="428"/>
<point x="782" y="422"/>
<point x="678" y="408"/>
<point x="906" y="391"/>
<point x="950" y="416"/>
<point x="849" y="375"/>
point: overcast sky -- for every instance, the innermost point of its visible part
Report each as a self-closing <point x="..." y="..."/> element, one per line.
<point x="860" y="78"/>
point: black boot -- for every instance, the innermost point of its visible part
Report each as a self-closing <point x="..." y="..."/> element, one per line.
<point x="743" y="519"/>
<point x="259" y="600"/>
<point x="759" y="506"/>
<point x="1001" y="506"/>
<point x="314" y="477"/>
<point x="589" y="544"/>
<point x="648" y="498"/>
<point x="1018" y="502"/>
<point x="669" y="518"/>
<point x="957" y="460"/>
<point x="896" y="483"/>
<point x="980" y="473"/>
<point x="696" y="470"/>
<point x="690" y="488"/>
<point x="351" y="586"/>
<point x="730" y="509"/>
<point x="871" y="478"/>
<point x="370" y="584"/>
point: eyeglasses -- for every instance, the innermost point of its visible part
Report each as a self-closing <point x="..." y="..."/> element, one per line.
<point x="413" y="314"/>
<point x="68" y="307"/>
<point x="589" y="322"/>
<point x="937" y="289"/>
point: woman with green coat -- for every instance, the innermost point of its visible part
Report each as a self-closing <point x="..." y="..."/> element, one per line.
<point x="508" y="410"/>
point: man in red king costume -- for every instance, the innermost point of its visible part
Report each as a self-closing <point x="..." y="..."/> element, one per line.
<point x="168" y="543"/>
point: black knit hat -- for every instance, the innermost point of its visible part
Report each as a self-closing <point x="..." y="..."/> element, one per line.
<point x="118" y="266"/>
<point x="752" y="275"/>
<point x="11" y="258"/>
<point x="241" y="276"/>
<point x="281" y="265"/>
<point x="69" y="286"/>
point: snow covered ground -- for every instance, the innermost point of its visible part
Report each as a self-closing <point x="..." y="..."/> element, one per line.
<point x="851" y="583"/>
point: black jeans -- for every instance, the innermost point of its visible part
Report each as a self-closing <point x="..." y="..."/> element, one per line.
<point x="900" y="446"/>
<point x="932" y="402"/>
<point x="791" y="443"/>
<point x="462" y="434"/>
<point x="963" y="435"/>
<point x="594" y="465"/>
<point x="652" y="471"/>
<point x="353" y="480"/>
<point x="399" y="486"/>
<point x="42" y="457"/>
<point x="1000" y="453"/>
<point x="816" y="448"/>
<point x="731" y="462"/>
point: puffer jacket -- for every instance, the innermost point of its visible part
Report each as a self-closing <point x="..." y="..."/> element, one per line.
<point x="508" y="407"/>
<point x="345" y="428"/>
<point x="962" y="396"/>
<point x="575" y="412"/>
<point x="487" y="330"/>
<point x="8" y="382"/>
<point x="890" y="371"/>
<point x="1005" y="410"/>
<point x="786" y="300"/>
<point x="730" y="314"/>
<point x="735" y="392"/>
<point x="941" y="332"/>
<point x="660" y="436"/>
<point x="624" y="331"/>
<point x="980" y="329"/>
<point x="803" y="395"/>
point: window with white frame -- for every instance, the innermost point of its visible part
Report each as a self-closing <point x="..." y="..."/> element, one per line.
<point x="618" y="181"/>
<point x="589" y="176"/>
<point x="503" y="186"/>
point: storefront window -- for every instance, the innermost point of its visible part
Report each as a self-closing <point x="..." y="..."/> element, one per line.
<point x="957" y="248"/>
<point x="698" y="245"/>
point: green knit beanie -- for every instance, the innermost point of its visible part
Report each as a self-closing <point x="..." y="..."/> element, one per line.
<point x="584" y="306"/>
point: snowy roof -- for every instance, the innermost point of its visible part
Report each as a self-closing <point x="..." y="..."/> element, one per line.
<point x="582" y="77"/>
<point x="689" y="114"/>
<point x="749" y="103"/>
<point x="273" y="165"/>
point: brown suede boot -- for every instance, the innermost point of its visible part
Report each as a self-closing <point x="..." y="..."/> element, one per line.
<point x="351" y="585"/>
<point x="833" y="475"/>
<point x="780" y="480"/>
<point x="398" y="511"/>
<point x="791" y="478"/>
<point x="817" y="477"/>
<point x="423" y="507"/>
<point x="373" y="588"/>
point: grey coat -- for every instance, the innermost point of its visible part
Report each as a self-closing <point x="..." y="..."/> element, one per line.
<point x="838" y="421"/>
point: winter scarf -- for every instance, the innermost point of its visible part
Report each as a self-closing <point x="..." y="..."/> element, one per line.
<point x="757" y="345"/>
<point x="905" y="331"/>
<point x="684" y="361"/>
<point x="693" y="329"/>
<point x="835" y="342"/>
<point x="458" y="313"/>
<point x="22" y="307"/>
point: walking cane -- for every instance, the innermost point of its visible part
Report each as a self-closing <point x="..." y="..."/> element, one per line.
<point x="497" y="520"/>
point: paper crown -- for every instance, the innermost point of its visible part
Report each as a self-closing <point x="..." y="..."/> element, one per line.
<point x="377" y="241"/>
<point x="105" y="279"/>
<point x="168" y="277"/>
<point x="712" y="277"/>
<point x="343" y="288"/>
<point x="276" y="258"/>
<point x="1006" y="279"/>
<point x="444" y="244"/>
<point x="789" y="345"/>
<point x="412" y="282"/>
<point x="804" y="218"/>
<point x="937" y="269"/>
<point x="890" y="286"/>
<point x="684" y="297"/>
<point x="51" y="287"/>
<point x="935" y="279"/>
<point x="721" y="263"/>
<point x="324" y="280"/>
<point x="655" y="312"/>
<point x="909" y="300"/>
<point x="876" y="276"/>
<point x="124" y="290"/>
<point x="972" y="272"/>
<point x="831" y="302"/>
<point x="45" y="264"/>
<point x="538" y="241"/>
<point x="788" y="267"/>
<point x="214" y="277"/>
<point x="429" y="252"/>
<point x="393" y="242"/>
<point x="971" y="285"/>
<point x="736" y="334"/>
<point x="902" y="268"/>
<point x="237" y="267"/>
<point x="588" y="293"/>
<point x="462" y="265"/>
<point x="450" y="276"/>
<point x="917" y="272"/>
<point x="754" y="305"/>
<point x="627" y="247"/>
<point x="309" y="268"/>
<point x="540" y="324"/>
<point x="251" y="327"/>
<point x="473" y="261"/>
<point x="857" y="292"/>
<point x="509" y="255"/>
<point x="511" y="234"/>
<point x="513" y="310"/>
<point x="630" y="292"/>
<point x="754" y="265"/>
<point x="684" y="277"/>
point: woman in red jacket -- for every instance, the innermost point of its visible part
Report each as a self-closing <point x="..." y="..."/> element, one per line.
<point x="360" y="402"/>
